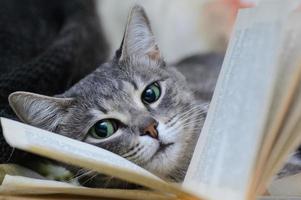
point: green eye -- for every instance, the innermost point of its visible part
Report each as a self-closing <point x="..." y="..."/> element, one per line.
<point x="151" y="93"/>
<point x="103" y="129"/>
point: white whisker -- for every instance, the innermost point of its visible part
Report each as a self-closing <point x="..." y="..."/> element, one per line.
<point x="89" y="179"/>
<point x="197" y="110"/>
<point x="81" y="175"/>
<point x="108" y="181"/>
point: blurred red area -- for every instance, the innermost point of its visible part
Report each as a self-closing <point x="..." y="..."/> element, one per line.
<point x="220" y="16"/>
<point x="234" y="5"/>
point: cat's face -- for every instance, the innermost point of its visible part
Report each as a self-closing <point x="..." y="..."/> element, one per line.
<point x="134" y="106"/>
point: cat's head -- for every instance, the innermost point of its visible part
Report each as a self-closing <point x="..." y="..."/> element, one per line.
<point x="134" y="106"/>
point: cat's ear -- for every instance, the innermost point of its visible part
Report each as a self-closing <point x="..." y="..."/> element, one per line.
<point x="39" y="110"/>
<point x="138" y="39"/>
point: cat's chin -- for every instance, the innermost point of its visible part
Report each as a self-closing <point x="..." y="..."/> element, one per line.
<point x="162" y="152"/>
<point x="163" y="147"/>
<point x="164" y="161"/>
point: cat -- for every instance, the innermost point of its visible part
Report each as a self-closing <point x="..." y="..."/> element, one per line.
<point x="135" y="105"/>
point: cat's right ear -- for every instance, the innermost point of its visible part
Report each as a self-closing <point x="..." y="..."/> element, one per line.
<point x="138" y="39"/>
<point x="39" y="110"/>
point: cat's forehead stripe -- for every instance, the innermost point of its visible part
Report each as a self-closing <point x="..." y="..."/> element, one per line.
<point x="99" y="106"/>
<point x="134" y="84"/>
<point x="96" y="113"/>
<point x="126" y="83"/>
<point x="102" y="109"/>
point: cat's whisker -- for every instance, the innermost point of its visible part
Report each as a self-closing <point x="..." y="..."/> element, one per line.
<point x="193" y="124"/>
<point x="90" y="178"/>
<point x="194" y="129"/>
<point x="193" y="121"/>
<point x="108" y="181"/>
<point x="183" y="129"/>
<point x="126" y="185"/>
<point x="175" y="125"/>
<point x="185" y="111"/>
<point x="81" y="175"/>
<point x="196" y="109"/>
<point x="180" y="118"/>
<point x="82" y="170"/>
<point x="193" y="118"/>
<point x="188" y="106"/>
<point x="79" y="172"/>
<point x="188" y="125"/>
<point x="188" y="113"/>
<point x="174" y="130"/>
<point x="11" y="155"/>
<point x="185" y="108"/>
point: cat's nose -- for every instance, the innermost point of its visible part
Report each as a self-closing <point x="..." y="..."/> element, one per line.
<point x="150" y="129"/>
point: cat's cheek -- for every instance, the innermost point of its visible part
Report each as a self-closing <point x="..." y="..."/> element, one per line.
<point x="150" y="147"/>
<point x="167" y="134"/>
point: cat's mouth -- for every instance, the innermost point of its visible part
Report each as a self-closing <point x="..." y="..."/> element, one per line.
<point x="162" y="148"/>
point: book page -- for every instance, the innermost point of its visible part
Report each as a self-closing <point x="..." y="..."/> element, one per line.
<point x="227" y="149"/>
<point x="283" y="134"/>
<point x="288" y="141"/>
<point x="287" y="186"/>
<point x="49" y="197"/>
<point x="81" y="154"/>
<point x="275" y="164"/>
<point x="17" y="170"/>
<point x="18" y="185"/>
<point x="279" y="198"/>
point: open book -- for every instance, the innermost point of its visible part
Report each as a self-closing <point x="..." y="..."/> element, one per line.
<point x="253" y="125"/>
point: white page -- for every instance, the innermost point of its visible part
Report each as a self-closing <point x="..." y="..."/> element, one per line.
<point x="287" y="186"/>
<point x="282" y="133"/>
<point x="17" y="170"/>
<point x="78" y="153"/>
<point x="18" y="185"/>
<point x="227" y="148"/>
<point x="279" y="198"/>
<point x="20" y="181"/>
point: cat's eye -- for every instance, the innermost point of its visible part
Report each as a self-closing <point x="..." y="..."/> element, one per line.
<point x="151" y="93"/>
<point x="103" y="128"/>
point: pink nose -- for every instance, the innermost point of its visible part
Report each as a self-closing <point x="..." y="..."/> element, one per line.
<point x="151" y="130"/>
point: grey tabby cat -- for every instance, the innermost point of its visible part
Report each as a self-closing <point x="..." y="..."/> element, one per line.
<point x="134" y="106"/>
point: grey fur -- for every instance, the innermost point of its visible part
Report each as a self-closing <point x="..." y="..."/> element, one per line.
<point x="114" y="91"/>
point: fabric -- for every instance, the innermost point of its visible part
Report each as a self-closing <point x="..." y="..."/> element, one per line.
<point x="45" y="47"/>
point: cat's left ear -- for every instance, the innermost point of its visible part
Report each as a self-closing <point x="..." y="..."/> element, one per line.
<point x="138" y="38"/>
<point x="39" y="110"/>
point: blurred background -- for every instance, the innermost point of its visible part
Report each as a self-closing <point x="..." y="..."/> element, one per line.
<point x="182" y="28"/>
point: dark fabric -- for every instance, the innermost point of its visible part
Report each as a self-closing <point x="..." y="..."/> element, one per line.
<point x="45" y="47"/>
<point x="201" y="72"/>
